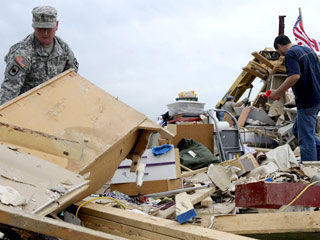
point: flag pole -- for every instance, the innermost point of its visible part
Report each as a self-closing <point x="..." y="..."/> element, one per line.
<point x="300" y="13"/>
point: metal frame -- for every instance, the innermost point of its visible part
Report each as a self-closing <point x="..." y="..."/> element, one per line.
<point x="226" y="152"/>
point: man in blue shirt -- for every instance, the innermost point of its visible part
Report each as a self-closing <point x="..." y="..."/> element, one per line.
<point x="303" y="70"/>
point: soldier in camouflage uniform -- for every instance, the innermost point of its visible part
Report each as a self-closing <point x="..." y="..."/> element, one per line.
<point x="37" y="58"/>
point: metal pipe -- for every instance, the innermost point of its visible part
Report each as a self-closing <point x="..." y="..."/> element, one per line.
<point x="56" y="199"/>
<point x="176" y="191"/>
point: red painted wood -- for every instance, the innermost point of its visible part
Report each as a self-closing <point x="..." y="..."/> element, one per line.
<point x="274" y="195"/>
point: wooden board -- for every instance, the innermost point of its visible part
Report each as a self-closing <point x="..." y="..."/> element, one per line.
<point x="120" y="229"/>
<point x="49" y="226"/>
<point x="243" y="116"/>
<point x="195" y="198"/>
<point x="257" y="114"/>
<point x="268" y="223"/>
<point x="153" y="224"/>
<point x="262" y="59"/>
<point x="253" y="72"/>
<point x="184" y="207"/>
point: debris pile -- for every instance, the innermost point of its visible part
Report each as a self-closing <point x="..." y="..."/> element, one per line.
<point x="105" y="171"/>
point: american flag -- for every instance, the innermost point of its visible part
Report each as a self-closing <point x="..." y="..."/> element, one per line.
<point x="302" y="38"/>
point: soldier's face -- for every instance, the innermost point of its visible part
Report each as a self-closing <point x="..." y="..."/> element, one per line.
<point x="45" y="35"/>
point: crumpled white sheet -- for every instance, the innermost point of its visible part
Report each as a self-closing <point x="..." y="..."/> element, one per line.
<point x="283" y="156"/>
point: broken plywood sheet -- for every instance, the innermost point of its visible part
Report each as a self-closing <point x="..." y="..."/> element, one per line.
<point x="32" y="184"/>
<point x="70" y="108"/>
<point x="257" y="114"/>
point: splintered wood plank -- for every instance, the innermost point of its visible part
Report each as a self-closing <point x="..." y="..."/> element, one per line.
<point x="157" y="225"/>
<point x="119" y="229"/>
<point x="207" y="202"/>
<point x="194" y="172"/>
<point x="260" y="67"/>
<point x="184" y="207"/>
<point x="268" y="223"/>
<point x="49" y="226"/>
<point x="243" y="116"/>
<point x="275" y="68"/>
<point x="151" y="126"/>
<point x="201" y="194"/>
<point x="262" y="59"/>
<point x="254" y="73"/>
<point x="142" y="143"/>
<point x="195" y="198"/>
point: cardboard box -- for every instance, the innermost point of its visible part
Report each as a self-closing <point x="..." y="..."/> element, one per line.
<point x="202" y="133"/>
<point x="147" y="187"/>
<point x="163" y="167"/>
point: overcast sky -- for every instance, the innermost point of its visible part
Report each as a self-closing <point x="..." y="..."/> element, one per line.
<point x="147" y="51"/>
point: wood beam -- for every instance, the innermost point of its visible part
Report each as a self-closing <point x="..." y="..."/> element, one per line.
<point x="262" y="59"/>
<point x="254" y="73"/>
<point x="268" y="222"/>
<point x="50" y="227"/>
<point x="142" y="142"/>
<point x="260" y="67"/>
<point x="119" y="229"/>
<point x="194" y="172"/>
<point x="153" y="224"/>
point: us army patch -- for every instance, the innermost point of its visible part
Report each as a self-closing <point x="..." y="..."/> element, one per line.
<point x="75" y="62"/>
<point x="14" y="70"/>
<point x="21" y="61"/>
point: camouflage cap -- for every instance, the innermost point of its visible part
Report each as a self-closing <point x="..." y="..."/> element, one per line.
<point x="44" y="17"/>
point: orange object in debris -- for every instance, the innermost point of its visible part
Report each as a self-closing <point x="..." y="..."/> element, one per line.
<point x="267" y="94"/>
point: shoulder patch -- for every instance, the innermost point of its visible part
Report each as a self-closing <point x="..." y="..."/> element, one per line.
<point x="13" y="70"/>
<point x="75" y="62"/>
<point x="21" y="61"/>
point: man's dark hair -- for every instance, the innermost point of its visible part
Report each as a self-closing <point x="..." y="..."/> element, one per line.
<point x="282" y="40"/>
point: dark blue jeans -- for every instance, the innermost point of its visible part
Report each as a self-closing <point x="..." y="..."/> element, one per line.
<point x="304" y="129"/>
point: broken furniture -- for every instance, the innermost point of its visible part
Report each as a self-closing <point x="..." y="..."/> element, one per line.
<point x="72" y="123"/>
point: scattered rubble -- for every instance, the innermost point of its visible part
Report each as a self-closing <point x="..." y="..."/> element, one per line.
<point x="89" y="166"/>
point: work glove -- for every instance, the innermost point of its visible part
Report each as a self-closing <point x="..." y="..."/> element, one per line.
<point x="245" y="100"/>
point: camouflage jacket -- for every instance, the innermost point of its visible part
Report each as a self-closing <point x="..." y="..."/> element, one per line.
<point x="29" y="65"/>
